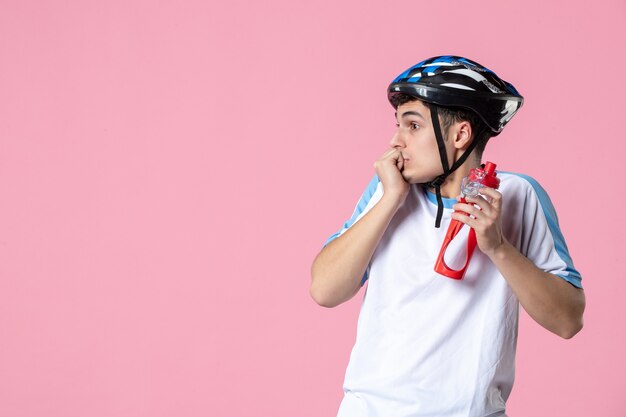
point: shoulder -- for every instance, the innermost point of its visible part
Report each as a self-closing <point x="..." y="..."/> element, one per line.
<point x="516" y="179"/>
<point x="526" y="193"/>
<point x="373" y="185"/>
<point x="373" y="188"/>
<point x="514" y="183"/>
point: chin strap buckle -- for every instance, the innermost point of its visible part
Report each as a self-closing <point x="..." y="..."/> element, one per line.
<point x="437" y="182"/>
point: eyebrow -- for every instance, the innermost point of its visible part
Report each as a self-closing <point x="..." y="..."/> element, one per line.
<point x="413" y="113"/>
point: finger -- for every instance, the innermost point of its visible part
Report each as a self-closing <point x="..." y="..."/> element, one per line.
<point x="400" y="162"/>
<point x="389" y="152"/>
<point x="394" y="155"/>
<point x="480" y="202"/>
<point x="467" y="208"/>
<point x="494" y="195"/>
<point x="388" y="156"/>
<point x="464" y="219"/>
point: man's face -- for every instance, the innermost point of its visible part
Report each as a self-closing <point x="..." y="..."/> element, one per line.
<point x="415" y="138"/>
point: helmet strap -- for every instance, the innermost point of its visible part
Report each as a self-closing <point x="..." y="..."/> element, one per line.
<point x="437" y="182"/>
<point x="434" y="115"/>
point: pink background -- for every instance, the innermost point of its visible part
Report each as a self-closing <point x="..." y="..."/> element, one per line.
<point x="169" y="170"/>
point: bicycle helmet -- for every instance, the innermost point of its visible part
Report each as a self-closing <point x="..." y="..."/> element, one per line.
<point x="454" y="81"/>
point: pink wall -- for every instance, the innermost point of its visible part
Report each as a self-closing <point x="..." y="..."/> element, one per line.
<point x="168" y="171"/>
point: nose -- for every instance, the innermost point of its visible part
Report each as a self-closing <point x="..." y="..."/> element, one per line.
<point x="397" y="141"/>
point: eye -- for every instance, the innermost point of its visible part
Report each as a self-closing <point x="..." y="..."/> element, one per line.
<point x="414" y="126"/>
<point x="397" y="124"/>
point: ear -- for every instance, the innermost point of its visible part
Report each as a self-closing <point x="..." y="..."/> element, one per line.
<point x="462" y="134"/>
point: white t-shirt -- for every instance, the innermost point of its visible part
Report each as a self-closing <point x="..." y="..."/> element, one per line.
<point x="428" y="345"/>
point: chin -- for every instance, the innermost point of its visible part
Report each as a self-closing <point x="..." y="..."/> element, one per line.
<point x="420" y="178"/>
<point x="411" y="180"/>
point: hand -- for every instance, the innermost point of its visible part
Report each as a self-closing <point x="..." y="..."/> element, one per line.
<point x="389" y="169"/>
<point x="487" y="221"/>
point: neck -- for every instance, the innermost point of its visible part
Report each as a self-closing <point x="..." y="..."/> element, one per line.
<point x="451" y="188"/>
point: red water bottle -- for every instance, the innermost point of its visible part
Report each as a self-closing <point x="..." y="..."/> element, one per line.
<point x="484" y="176"/>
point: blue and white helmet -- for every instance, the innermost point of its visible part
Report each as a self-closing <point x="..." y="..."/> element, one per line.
<point x="459" y="82"/>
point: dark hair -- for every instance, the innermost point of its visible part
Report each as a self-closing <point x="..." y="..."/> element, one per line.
<point x="450" y="115"/>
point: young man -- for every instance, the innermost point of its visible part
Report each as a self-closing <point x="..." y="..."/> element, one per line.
<point x="428" y="345"/>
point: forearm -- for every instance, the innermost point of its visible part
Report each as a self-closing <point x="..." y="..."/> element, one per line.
<point x="338" y="269"/>
<point x="549" y="300"/>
